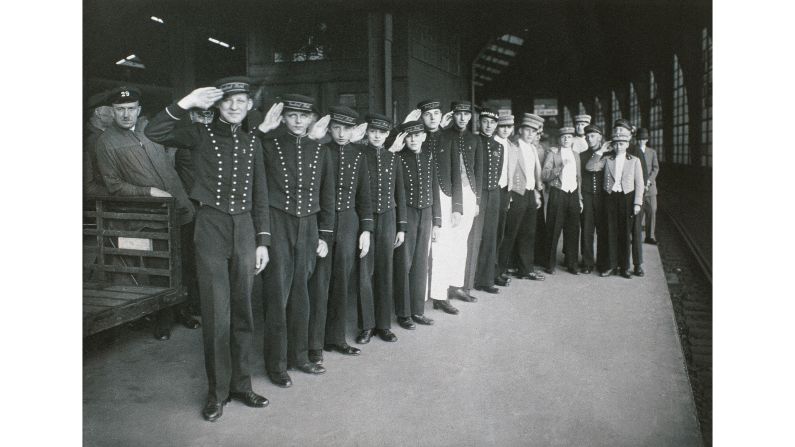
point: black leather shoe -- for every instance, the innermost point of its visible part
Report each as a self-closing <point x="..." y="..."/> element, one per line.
<point x="250" y="398"/>
<point x="638" y="271"/>
<point x="650" y="240"/>
<point x="422" y="319"/>
<point x="281" y="379"/>
<point x="625" y="274"/>
<point x="461" y="294"/>
<point x="606" y="273"/>
<point x="364" y="336"/>
<point x="549" y="271"/>
<point x="445" y="306"/>
<point x="386" y="335"/>
<point x="573" y="270"/>
<point x="309" y="368"/>
<point x="500" y="281"/>
<point x="587" y="270"/>
<point x="162" y="333"/>
<point x="184" y="317"/>
<point x="343" y="349"/>
<point x="316" y="356"/>
<point x="213" y="409"/>
<point x="406" y="323"/>
<point x="488" y="289"/>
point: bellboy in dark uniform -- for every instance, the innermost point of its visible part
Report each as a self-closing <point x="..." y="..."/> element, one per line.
<point x="593" y="212"/>
<point x="376" y="302"/>
<point x="562" y="171"/>
<point x="491" y="152"/>
<point x="231" y="230"/>
<point x="424" y="218"/>
<point x="301" y="187"/>
<point x="328" y="316"/>
<point x="438" y="142"/>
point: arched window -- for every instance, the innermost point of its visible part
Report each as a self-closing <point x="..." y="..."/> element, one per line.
<point x="599" y="114"/>
<point x="567" y="120"/>
<point x="634" y="108"/>
<point x="656" y="119"/>
<point x="706" y="101"/>
<point x="681" y="149"/>
<point x="581" y="109"/>
<point x="616" y="108"/>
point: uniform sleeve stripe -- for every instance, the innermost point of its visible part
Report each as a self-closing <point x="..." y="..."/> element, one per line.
<point x="327" y="231"/>
<point x="263" y="232"/>
<point x="171" y="115"/>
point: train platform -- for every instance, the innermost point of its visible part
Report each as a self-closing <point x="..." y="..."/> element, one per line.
<point x="571" y="361"/>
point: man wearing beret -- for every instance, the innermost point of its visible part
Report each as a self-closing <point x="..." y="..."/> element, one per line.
<point x="101" y="118"/>
<point x="132" y="165"/>
<point x="491" y="153"/>
<point x="424" y="218"/>
<point x="623" y="186"/>
<point x="301" y="191"/>
<point x="579" y="144"/>
<point x="455" y="276"/>
<point x="593" y="214"/>
<point x="231" y="232"/>
<point x="562" y="171"/>
<point x="443" y="259"/>
<point x="525" y="185"/>
<point x="387" y="194"/>
<point x="652" y="164"/>
<point x="328" y="316"/>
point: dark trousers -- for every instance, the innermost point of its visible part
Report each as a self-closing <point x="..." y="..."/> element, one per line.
<point x="411" y="263"/>
<point x="487" y="257"/>
<point x="225" y="258"/>
<point x="541" y="233"/>
<point x="285" y="289"/>
<point x="520" y="229"/>
<point x="619" y="228"/>
<point x="564" y="215"/>
<point x="637" y="236"/>
<point x="340" y="274"/>
<point x="376" y="303"/>
<point x="473" y="251"/>
<point x="593" y="219"/>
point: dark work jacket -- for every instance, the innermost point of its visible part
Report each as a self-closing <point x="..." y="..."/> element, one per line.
<point x="466" y="143"/>
<point x="592" y="181"/>
<point x="420" y="184"/>
<point x="92" y="178"/>
<point x="353" y="182"/>
<point x="229" y="170"/>
<point x="491" y="152"/>
<point x="447" y="169"/>
<point x="386" y="183"/>
<point x="301" y="179"/>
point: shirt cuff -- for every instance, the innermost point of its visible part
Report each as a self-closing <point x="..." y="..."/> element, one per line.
<point x="263" y="239"/>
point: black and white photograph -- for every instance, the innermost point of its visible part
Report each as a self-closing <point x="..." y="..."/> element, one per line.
<point x="397" y="223"/>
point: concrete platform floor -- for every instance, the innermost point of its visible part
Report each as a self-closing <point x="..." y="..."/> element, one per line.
<point x="572" y="361"/>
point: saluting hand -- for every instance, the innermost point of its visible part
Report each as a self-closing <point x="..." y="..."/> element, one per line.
<point x="318" y="130"/>
<point x="446" y="119"/>
<point x="202" y="98"/>
<point x="399" y="238"/>
<point x="273" y="118"/>
<point x="262" y="259"/>
<point x="322" y="248"/>
<point x="399" y="143"/>
<point x="364" y="243"/>
<point x="414" y="115"/>
<point x="358" y="133"/>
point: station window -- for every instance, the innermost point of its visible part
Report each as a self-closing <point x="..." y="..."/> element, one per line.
<point x="706" y="101"/>
<point x="656" y="119"/>
<point x="581" y="109"/>
<point x="634" y="108"/>
<point x="616" y="107"/>
<point x="681" y="149"/>
<point x="598" y="113"/>
<point x="567" y="120"/>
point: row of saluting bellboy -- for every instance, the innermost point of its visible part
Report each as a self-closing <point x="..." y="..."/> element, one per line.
<point x="423" y="210"/>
